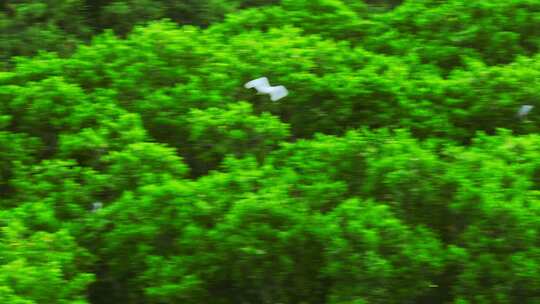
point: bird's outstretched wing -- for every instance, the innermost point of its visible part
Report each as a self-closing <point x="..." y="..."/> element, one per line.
<point x="278" y="92"/>
<point x="258" y="83"/>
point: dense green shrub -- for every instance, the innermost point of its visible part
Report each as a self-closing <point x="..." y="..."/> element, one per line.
<point x="38" y="266"/>
<point x="136" y="168"/>
<point x="442" y="32"/>
<point x="27" y="27"/>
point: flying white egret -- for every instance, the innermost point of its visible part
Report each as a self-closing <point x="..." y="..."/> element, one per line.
<point x="524" y="110"/>
<point x="263" y="87"/>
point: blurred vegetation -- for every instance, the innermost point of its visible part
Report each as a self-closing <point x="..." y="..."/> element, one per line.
<point x="396" y="171"/>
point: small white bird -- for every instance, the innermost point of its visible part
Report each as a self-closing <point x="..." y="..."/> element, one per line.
<point x="263" y="87"/>
<point x="524" y="110"/>
<point x="96" y="206"/>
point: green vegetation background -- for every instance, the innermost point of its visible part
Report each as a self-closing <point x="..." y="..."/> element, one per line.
<point x="396" y="170"/>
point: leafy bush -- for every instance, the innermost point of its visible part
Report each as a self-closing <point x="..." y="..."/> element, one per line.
<point x="136" y="168"/>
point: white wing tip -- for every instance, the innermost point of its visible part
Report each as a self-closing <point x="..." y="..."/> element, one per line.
<point x="256" y="82"/>
<point x="279" y="92"/>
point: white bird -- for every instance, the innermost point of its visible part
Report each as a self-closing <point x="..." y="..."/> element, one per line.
<point x="96" y="206"/>
<point x="524" y="110"/>
<point x="263" y="87"/>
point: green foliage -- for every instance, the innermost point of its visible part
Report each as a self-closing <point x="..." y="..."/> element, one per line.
<point x="142" y="164"/>
<point x="136" y="168"/>
<point x="29" y="26"/>
<point x="216" y="132"/>
<point x="59" y="186"/>
<point x="38" y="267"/>
<point x="443" y="32"/>
<point x="16" y="152"/>
<point x="374" y="258"/>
